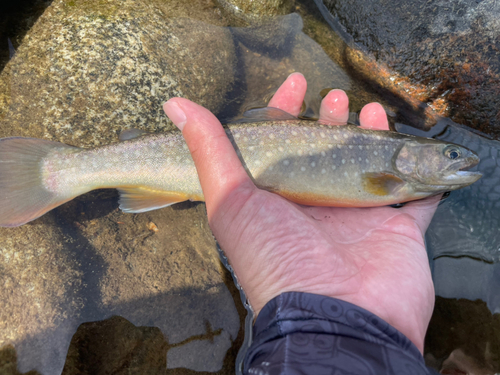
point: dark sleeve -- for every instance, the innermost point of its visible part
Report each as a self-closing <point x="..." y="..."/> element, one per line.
<point x="301" y="333"/>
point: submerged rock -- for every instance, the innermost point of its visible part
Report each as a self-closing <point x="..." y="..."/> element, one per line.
<point x="440" y="53"/>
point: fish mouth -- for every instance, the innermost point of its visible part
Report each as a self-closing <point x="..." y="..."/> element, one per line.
<point x="461" y="174"/>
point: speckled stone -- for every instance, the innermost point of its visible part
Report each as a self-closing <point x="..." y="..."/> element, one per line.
<point x="444" y="54"/>
<point x="88" y="69"/>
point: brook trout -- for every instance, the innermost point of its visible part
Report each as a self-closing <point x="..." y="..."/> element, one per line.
<point x="303" y="161"/>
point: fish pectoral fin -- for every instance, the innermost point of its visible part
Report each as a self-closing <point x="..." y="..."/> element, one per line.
<point x="131" y="133"/>
<point x="139" y="199"/>
<point x="382" y="183"/>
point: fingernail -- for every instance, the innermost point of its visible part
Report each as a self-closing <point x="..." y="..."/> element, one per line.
<point x="175" y="113"/>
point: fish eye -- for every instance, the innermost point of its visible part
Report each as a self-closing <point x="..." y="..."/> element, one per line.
<point x="452" y="153"/>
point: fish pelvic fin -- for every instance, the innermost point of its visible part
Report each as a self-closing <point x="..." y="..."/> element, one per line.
<point x="382" y="183"/>
<point x="142" y="199"/>
<point x="23" y="195"/>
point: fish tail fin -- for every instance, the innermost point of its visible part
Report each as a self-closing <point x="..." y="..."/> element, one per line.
<point x="23" y="196"/>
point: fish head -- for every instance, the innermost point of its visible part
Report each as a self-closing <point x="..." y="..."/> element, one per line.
<point x="436" y="166"/>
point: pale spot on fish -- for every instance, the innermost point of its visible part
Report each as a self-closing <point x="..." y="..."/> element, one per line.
<point x="367" y="160"/>
<point x="334" y="167"/>
<point x="311" y="153"/>
<point x="261" y="143"/>
<point x="271" y="136"/>
<point x="313" y="164"/>
<point x="334" y="156"/>
<point x="245" y="139"/>
<point x="355" y="174"/>
<point x="281" y="149"/>
<point x="271" y="168"/>
<point x="350" y="147"/>
<point x="303" y="141"/>
<point x="237" y="135"/>
<point x="343" y="161"/>
<point x="386" y="165"/>
<point x="292" y="174"/>
<point x="287" y="141"/>
<point x="299" y="152"/>
<point x="360" y="147"/>
<point x="375" y="153"/>
<point x="353" y="161"/>
<point x="359" y="159"/>
<point x="330" y="146"/>
<point x="323" y="153"/>
<point x="294" y="132"/>
<point x="303" y="169"/>
<point x="386" y="147"/>
<point x="257" y="162"/>
<point x="286" y="162"/>
<point x="335" y="137"/>
<point x="323" y="171"/>
<point x="322" y="135"/>
<point x="254" y="137"/>
<point x="251" y="148"/>
<point x="184" y="147"/>
<point x="346" y="174"/>
<point x="269" y="154"/>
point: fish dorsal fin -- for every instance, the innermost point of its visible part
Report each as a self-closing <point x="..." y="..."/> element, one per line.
<point x="140" y="199"/>
<point x="267" y="114"/>
<point x="381" y="183"/>
<point x="131" y="133"/>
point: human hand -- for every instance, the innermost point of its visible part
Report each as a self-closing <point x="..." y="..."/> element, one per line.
<point x="372" y="257"/>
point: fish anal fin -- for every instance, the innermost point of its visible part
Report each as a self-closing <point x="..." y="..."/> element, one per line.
<point x="141" y="199"/>
<point x="382" y="183"/>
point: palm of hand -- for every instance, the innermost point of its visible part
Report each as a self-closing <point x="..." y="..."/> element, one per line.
<point x="372" y="257"/>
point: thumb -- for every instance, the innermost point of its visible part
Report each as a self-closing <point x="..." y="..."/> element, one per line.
<point x="219" y="169"/>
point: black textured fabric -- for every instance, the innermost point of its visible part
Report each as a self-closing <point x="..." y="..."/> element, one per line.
<point x="302" y="333"/>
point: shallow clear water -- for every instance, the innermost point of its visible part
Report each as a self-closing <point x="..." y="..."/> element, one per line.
<point x="88" y="289"/>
